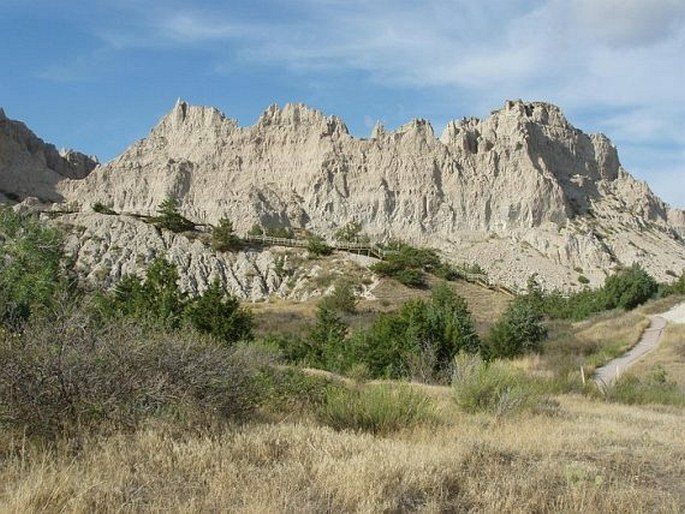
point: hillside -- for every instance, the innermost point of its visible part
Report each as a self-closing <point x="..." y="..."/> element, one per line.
<point x="31" y="167"/>
<point x="519" y="192"/>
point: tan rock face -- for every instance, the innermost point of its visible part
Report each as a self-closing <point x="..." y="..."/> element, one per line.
<point x="520" y="192"/>
<point x="31" y="167"/>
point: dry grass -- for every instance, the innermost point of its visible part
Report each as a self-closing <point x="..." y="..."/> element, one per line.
<point x="669" y="355"/>
<point x="592" y="457"/>
<point x="588" y="343"/>
<point x="293" y="318"/>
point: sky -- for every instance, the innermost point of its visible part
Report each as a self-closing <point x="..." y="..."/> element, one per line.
<point x="96" y="75"/>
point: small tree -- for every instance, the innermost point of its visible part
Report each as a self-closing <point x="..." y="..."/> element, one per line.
<point x="220" y="315"/>
<point x="318" y="247"/>
<point x="32" y="273"/>
<point x="224" y="238"/>
<point x="158" y="297"/>
<point x="256" y="230"/>
<point x="629" y="288"/>
<point x="520" y="330"/>
<point x="170" y="218"/>
<point x="325" y="341"/>
<point x="352" y="232"/>
<point x="342" y="299"/>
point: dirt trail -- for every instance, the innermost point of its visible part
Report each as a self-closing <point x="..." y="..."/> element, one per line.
<point x="650" y="339"/>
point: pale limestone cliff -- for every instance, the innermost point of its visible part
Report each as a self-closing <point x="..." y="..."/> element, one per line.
<point x="31" y="167"/>
<point x="519" y="192"/>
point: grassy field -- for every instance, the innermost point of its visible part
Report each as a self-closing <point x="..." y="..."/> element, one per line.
<point x="294" y="317"/>
<point x="171" y="423"/>
<point x="583" y="456"/>
<point x="669" y="356"/>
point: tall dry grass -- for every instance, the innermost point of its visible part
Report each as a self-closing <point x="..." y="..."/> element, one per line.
<point x="669" y="356"/>
<point x="592" y="458"/>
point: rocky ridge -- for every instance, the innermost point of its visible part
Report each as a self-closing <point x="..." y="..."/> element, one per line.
<point x="31" y="167"/>
<point x="520" y="192"/>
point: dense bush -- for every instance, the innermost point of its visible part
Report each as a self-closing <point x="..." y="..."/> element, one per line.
<point x="218" y="314"/>
<point x="158" y="298"/>
<point x="317" y="246"/>
<point x="492" y="386"/>
<point x="169" y="217"/>
<point x="629" y="288"/>
<point x="407" y="264"/>
<point x="32" y="272"/>
<point x="377" y="409"/>
<point x="520" y="330"/>
<point x="324" y="346"/>
<point x="419" y="341"/>
<point x="224" y="238"/>
<point x="626" y="289"/>
<point x="677" y="287"/>
<point x="69" y="376"/>
<point x="351" y="233"/>
<point x="342" y="299"/>
<point x="655" y="388"/>
<point x="101" y="208"/>
<point x="283" y="232"/>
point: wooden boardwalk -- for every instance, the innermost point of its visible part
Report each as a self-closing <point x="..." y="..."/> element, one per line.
<point x="374" y="250"/>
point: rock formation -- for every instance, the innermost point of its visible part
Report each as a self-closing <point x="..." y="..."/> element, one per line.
<point x="519" y="192"/>
<point x="31" y="167"/>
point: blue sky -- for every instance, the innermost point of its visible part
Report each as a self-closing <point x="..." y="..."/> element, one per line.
<point x="96" y="75"/>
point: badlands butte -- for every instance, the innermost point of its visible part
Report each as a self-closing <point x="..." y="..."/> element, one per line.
<point x="518" y="193"/>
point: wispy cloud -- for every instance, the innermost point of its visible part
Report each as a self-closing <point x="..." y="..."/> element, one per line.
<point x="617" y="63"/>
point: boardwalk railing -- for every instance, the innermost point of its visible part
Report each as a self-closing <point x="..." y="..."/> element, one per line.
<point x="373" y="250"/>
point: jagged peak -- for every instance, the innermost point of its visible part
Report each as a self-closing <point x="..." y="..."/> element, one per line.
<point x="378" y="130"/>
<point x="187" y="116"/>
<point x="418" y="125"/>
<point x="2" y="114"/>
<point x="299" y="115"/>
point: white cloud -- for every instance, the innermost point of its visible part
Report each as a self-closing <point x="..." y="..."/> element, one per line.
<point x="619" y="60"/>
<point x="626" y="23"/>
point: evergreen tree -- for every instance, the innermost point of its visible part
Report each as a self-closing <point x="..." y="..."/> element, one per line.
<point x="224" y="238"/>
<point x="220" y="315"/>
<point x="170" y="218"/>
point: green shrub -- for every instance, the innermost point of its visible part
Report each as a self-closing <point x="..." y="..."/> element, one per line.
<point x="656" y="389"/>
<point x="629" y="288"/>
<point x="418" y="341"/>
<point x="677" y="286"/>
<point x="282" y="232"/>
<point x="378" y="409"/>
<point x="407" y="264"/>
<point x="73" y="376"/>
<point x="324" y="346"/>
<point x="170" y="218"/>
<point x="582" y="279"/>
<point x="626" y="289"/>
<point x="351" y="233"/>
<point x="224" y="238"/>
<point x="158" y="298"/>
<point x="520" y="330"/>
<point x="318" y="247"/>
<point x="342" y="299"/>
<point x="287" y="391"/>
<point x="103" y="209"/>
<point x="492" y="386"/>
<point x="256" y="230"/>
<point x="220" y="315"/>
<point x="33" y="275"/>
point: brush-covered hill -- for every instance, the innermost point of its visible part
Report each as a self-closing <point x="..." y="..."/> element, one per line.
<point x="520" y="192"/>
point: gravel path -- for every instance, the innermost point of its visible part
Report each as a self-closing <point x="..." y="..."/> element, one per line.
<point x="650" y="339"/>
